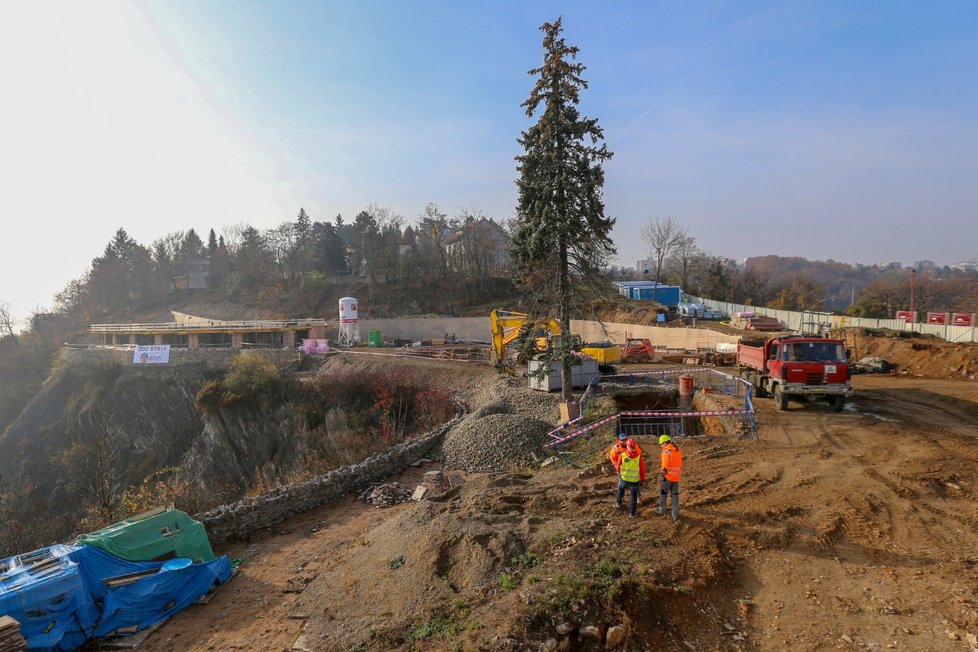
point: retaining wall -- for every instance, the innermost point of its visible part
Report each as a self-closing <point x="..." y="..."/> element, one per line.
<point x="477" y="328"/>
<point x="251" y="514"/>
<point x="689" y="339"/>
<point x="428" y="328"/>
<point x="216" y="359"/>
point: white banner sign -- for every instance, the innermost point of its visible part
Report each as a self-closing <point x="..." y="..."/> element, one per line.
<point x="158" y="354"/>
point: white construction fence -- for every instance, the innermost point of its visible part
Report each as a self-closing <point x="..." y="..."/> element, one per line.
<point x="818" y="322"/>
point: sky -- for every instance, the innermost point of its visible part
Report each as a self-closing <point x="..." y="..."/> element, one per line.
<point x="829" y="129"/>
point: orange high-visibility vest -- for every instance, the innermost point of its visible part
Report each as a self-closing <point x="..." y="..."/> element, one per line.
<point x="671" y="462"/>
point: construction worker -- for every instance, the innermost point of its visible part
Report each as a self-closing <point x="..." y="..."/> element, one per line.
<point x="670" y="470"/>
<point x="631" y="475"/>
<point x="619" y="447"/>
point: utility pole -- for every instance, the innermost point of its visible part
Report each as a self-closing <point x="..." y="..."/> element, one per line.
<point x="913" y="278"/>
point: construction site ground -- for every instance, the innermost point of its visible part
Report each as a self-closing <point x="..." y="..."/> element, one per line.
<point x="851" y="530"/>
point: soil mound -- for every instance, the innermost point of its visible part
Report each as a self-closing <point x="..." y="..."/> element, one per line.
<point x="496" y="442"/>
<point x="913" y="354"/>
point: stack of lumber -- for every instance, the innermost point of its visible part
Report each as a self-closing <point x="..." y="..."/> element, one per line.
<point x="753" y="322"/>
<point x="10" y="637"/>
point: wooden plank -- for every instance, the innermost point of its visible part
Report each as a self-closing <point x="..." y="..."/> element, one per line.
<point x="207" y="597"/>
<point x="129" y="578"/>
<point x="126" y="641"/>
<point x="148" y="513"/>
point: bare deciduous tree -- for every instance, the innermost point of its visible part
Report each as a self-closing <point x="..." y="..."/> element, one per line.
<point x="682" y="260"/>
<point x="7" y="320"/>
<point x="662" y="236"/>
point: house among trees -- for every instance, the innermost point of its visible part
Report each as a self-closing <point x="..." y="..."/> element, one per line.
<point x="478" y="246"/>
<point x="195" y="276"/>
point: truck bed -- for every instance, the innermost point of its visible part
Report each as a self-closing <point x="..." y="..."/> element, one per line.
<point x="751" y="356"/>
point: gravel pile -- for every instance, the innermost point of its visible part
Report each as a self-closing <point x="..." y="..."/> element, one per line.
<point x="496" y="442"/>
<point x="386" y="495"/>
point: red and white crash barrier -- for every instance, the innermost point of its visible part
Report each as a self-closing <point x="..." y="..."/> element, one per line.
<point x="643" y="413"/>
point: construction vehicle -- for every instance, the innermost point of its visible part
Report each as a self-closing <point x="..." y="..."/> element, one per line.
<point x="637" y="350"/>
<point x="508" y="327"/>
<point x="797" y="366"/>
<point x="606" y="353"/>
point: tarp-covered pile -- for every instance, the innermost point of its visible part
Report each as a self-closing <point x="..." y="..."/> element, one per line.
<point x="64" y="595"/>
<point x="154" y="535"/>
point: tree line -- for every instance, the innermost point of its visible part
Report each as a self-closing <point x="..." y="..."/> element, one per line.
<point x="795" y="283"/>
<point x="379" y="246"/>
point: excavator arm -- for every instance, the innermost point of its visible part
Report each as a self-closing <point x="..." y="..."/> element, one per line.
<point x="506" y="327"/>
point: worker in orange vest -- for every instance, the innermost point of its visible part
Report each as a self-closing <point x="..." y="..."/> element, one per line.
<point x="631" y="474"/>
<point x="619" y="447"/>
<point x="670" y="470"/>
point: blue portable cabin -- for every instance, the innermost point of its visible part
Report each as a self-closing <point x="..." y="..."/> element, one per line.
<point x="667" y="295"/>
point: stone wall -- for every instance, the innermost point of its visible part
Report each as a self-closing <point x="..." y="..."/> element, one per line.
<point x="248" y="515"/>
<point x="216" y="359"/>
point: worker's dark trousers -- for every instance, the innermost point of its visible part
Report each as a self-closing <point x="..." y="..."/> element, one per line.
<point x="667" y="487"/>
<point x="634" y="486"/>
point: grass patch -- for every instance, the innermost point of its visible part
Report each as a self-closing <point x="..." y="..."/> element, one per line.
<point x="526" y="560"/>
<point x="506" y="582"/>
<point x="396" y="562"/>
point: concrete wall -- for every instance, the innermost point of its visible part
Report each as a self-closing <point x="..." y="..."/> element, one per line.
<point x="216" y="359"/>
<point x="661" y="337"/>
<point x="251" y="514"/>
<point x="477" y="328"/>
<point x="427" y="328"/>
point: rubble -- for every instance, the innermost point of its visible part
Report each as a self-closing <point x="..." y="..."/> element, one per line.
<point x="386" y="495"/>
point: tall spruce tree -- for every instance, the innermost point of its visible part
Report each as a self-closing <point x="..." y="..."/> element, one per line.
<point x="561" y="230"/>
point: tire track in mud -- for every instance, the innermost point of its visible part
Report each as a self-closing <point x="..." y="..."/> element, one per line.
<point x="751" y="487"/>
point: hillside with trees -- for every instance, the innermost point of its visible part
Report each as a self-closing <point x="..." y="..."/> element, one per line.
<point x="795" y="283"/>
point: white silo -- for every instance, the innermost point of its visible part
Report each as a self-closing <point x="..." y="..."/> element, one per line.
<point x="349" y="334"/>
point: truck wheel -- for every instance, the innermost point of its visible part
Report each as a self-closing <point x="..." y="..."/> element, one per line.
<point x="780" y="398"/>
<point x="758" y="387"/>
<point x="838" y="403"/>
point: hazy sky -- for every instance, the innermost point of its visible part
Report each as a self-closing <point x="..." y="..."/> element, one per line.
<point x="819" y="129"/>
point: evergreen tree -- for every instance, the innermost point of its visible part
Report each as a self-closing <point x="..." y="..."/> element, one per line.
<point x="191" y="248"/>
<point x="211" y="243"/>
<point x="330" y="254"/>
<point x="561" y="230"/>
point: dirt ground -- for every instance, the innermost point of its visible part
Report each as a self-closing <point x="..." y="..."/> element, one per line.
<point x="852" y="530"/>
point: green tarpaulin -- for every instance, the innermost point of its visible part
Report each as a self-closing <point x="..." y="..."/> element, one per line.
<point x="153" y="536"/>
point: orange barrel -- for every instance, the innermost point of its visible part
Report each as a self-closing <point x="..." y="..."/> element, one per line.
<point x="686" y="386"/>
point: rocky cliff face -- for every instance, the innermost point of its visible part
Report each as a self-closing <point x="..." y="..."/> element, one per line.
<point x="123" y="422"/>
<point x="238" y="442"/>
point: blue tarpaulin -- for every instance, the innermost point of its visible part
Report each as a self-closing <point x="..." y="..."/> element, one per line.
<point x="58" y="596"/>
<point x="150" y="599"/>
<point x="45" y="593"/>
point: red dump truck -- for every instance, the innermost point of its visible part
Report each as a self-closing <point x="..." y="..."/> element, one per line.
<point x="797" y="366"/>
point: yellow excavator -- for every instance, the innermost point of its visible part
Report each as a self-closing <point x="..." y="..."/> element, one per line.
<point x="507" y="326"/>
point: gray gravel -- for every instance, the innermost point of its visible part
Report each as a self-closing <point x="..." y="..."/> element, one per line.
<point x="496" y="442"/>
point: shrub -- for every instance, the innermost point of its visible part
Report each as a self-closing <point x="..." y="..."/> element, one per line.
<point x="252" y="376"/>
<point x="211" y="396"/>
<point x="506" y="582"/>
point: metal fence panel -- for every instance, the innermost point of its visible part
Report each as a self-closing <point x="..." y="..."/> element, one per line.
<point x="795" y="320"/>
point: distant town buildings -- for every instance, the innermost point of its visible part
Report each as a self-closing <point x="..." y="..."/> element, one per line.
<point x="966" y="265"/>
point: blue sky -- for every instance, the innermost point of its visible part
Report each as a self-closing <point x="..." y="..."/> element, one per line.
<point x="818" y="129"/>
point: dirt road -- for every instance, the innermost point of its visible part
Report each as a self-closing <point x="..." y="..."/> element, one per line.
<point x="856" y="530"/>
